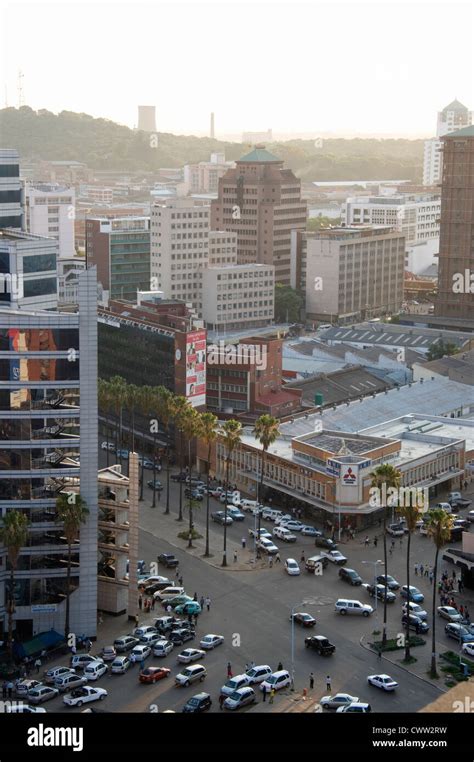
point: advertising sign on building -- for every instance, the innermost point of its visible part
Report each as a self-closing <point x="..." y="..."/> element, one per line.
<point x="350" y="475"/>
<point x="196" y="368"/>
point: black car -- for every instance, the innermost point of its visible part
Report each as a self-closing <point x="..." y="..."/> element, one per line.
<point x="156" y="586"/>
<point x="320" y="644"/>
<point x="460" y="502"/>
<point x="178" y="637"/>
<point x="194" y="494"/>
<point x="351" y="576"/>
<point x="379" y="591"/>
<point x="178" y="477"/>
<point x="168" y="559"/>
<point x="392" y="583"/>
<point x="416" y="623"/>
<point x="198" y="703"/>
<point x="325" y="542"/>
<point x="158" y="484"/>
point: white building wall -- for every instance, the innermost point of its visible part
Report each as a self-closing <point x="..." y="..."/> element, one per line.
<point x="51" y="213"/>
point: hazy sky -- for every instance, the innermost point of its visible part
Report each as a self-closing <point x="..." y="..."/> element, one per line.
<point x="368" y="68"/>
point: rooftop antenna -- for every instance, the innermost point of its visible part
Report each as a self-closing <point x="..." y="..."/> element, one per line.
<point x="21" y="94"/>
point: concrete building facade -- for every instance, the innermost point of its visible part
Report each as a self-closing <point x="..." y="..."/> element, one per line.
<point x="28" y="270"/>
<point x="453" y="117"/>
<point x="50" y="212"/>
<point x="11" y="193"/>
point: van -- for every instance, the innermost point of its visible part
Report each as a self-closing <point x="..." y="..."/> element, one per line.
<point x="272" y="514"/>
<point x="168" y="593"/>
<point x="247" y="505"/>
<point x="343" y="606"/>
<point x="315" y="562"/>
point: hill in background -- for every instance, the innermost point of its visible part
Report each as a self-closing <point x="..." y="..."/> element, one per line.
<point x="103" y="144"/>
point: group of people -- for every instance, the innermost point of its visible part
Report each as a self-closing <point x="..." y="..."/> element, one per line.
<point x="147" y="604"/>
<point x="424" y="571"/>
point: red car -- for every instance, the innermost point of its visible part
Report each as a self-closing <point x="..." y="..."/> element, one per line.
<point x="153" y="674"/>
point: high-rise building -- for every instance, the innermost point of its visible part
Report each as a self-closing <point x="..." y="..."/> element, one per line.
<point x="261" y="201"/>
<point x="50" y="211"/>
<point x="453" y="117"/>
<point x="416" y="216"/>
<point x="120" y="248"/>
<point x="238" y="296"/>
<point x="147" y="118"/>
<point x="28" y="271"/>
<point x="354" y="273"/>
<point x="11" y="194"/>
<point x="204" y="177"/>
<point x="48" y="440"/>
<point x="456" y="244"/>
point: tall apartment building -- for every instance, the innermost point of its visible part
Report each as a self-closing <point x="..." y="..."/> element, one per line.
<point x="416" y="216"/>
<point x="50" y="211"/>
<point x="179" y="249"/>
<point x="120" y="248"/>
<point x="261" y="202"/>
<point x="456" y="244"/>
<point x="11" y="193"/>
<point x="453" y="117"/>
<point x="354" y="273"/>
<point x="204" y="176"/>
<point x="238" y="296"/>
<point x="28" y="271"/>
<point x="48" y="439"/>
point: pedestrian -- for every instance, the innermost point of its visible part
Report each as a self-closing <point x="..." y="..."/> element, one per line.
<point x="421" y="569"/>
<point x="431" y="576"/>
<point x="38" y="665"/>
<point x="181" y="580"/>
<point x="277" y="558"/>
<point x="208" y="603"/>
<point x="235" y="556"/>
<point x="142" y="665"/>
<point x="221" y="700"/>
<point x="153" y="601"/>
<point x="177" y="572"/>
<point x="303" y="557"/>
<point x="196" y="619"/>
<point x="466" y="615"/>
<point x="89" y="645"/>
<point x="270" y="562"/>
<point x="136" y="620"/>
<point x="140" y="602"/>
<point x="244" y="542"/>
<point x="168" y="609"/>
<point x="264" y="692"/>
<point x="229" y="669"/>
<point x="201" y="602"/>
<point x="272" y="695"/>
<point x="454" y="574"/>
<point x="195" y="597"/>
<point x="311" y="681"/>
<point x="101" y="620"/>
<point x="73" y="649"/>
<point x="328" y="683"/>
<point x="416" y="569"/>
<point x="280" y="666"/>
<point x="366" y="541"/>
<point x="427" y="571"/>
<point x="375" y="541"/>
<point x="461" y="610"/>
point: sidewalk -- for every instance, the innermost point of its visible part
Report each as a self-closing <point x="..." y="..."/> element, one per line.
<point x="419" y="668"/>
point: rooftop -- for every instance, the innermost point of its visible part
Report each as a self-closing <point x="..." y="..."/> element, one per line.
<point x="259" y="155"/>
<point x="340" y="386"/>
<point x="465" y="132"/>
<point x="418" y="338"/>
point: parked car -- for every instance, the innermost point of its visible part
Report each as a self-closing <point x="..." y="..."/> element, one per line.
<point x="41" y="693"/>
<point x="211" y="641"/>
<point x="79" y="661"/>
<point x="165" y="623"/>
<point x="194" y="494"/>
<point x="192" y="607"/>
<point x="258" y="674"/>
<point x="179" y="477"/>
<point x="23" y="686"/>
<point x="240" y="697"/>
<point x="468" y="648"/>
<point x="191" y="654"/>
<point x="267" y="546"/>
<point x="230" y="497"/>
<point x="350" y="576"/>
<point x="414" y="608"/>
<point x="450" y="613"/>
<point x="284" y="534"/>
<point x="392" y="583"/>
<point x="325" y="542"/>
<point x="344" y="606"/>
<point x="148" y="463"/>
<point x="385" y="682"/>
<point x="22" y="708"/>
<point x="122" y="454"/>
<point x="220" y="518"/>
<point x="125" y="643"/>
<point x="306" y="620"/>
<point x="357" y="707"/>
<point x="50" y="675"/>
<point x="120" y="665"/>
<point x="153" y="674"/>
<point x="335" y="557"/>
<point x="338" y="700"/>
<point x="276" y="681"/>
<point x="291" y="525"/>
<point x="178" y="637"/>
<point x="154" y="579"/>
<point x="292" y="567"/>
<point x="84" y="695"/>
<point x="168" y="593"/>
<point x="262" y="533"/>
<point x="315" y="564"/>
<point x="158" y="485"/>
<point x="470" y="517"/>
<point x="140" y="652"/>
<point x="178" y="600"/>
<point x="320" y="644"/>
<point x="233" y="684"/>
<point x="459" y="632"/>
<point x="201" y="702"/>
<point x="415" y="594"/>
<point x="415" y="623"/>
<point x="235" y="514"/>
<point x="95" y="670"/>
<point x="67" y="682"/>
<point x="308" y="531"/>
<point x="108" y="653"/>
<point x="163" y="648"/>
<point x="140" y="632"/>
<point x="190" y="675"/>
<point x="379" y="592"/>
<point x="396" y="530"/>
<point x="462" y="523"/>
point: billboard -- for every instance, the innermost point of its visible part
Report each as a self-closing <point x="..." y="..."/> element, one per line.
<point x="350" y="475"/>
<point x="196" y="368"/>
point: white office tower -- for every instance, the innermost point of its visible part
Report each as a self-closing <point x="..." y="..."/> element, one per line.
<point x="50" y="211"/>
<point x="453" y="117"/>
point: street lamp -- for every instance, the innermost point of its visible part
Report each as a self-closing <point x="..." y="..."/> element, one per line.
<point x="375" y="564"/>
<point x="306" y="602"/>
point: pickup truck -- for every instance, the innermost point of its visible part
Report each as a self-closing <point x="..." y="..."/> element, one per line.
<point x="320" y="644"/>
<point x="315" y="563"/>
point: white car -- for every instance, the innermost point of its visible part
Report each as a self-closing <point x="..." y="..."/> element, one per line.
<point x="94" y="670"/>
<point x="140" y="652"/>
<point x="308" y="531"/>
<point x="168" y="593"/>
<point x="190" y="675"/>
<point x="22" y="708"/>
<point x="191" y="654"/>
<point x="292" y="567"/>
<point x="334" y="556"/>
<point x="385" y="682"/>
<point x="258" y="674"/>
<point x="233" y="684"/>
<point x="284" y="534"/>
<point x="262" y="533"/>
<point x="449" y="613"/>
<point x="415" y="609"/>
<point x="139" y="632"/>
<point x="23" y="686"/>
<point x="120" y="665"/>
<point x="81" y="696"/>
<point x="42" y="693"/>
<point x="162" y="647"/>
<point x="357" y="707"/>
<point x="240" y="697"/>
<point x="468" y="648"/>
<point x="344" y="606"/>
<point x="211" y="641"/>
<point x="338" y="700"/>
<point x="292" y="525"/>
<point x="277" y="681"/>
<point x="267" y="546"/>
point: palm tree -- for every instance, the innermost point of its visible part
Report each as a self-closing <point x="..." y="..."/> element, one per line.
<point x="71" y="513"/>
<point x="13" y="535"/>
<point x="145" y="404"/>
<point x="208" y="432"/>
<point x="387" y="475"/>
<point x="105" y="401"/>
<point x="118" y="388"/>
<point x="266" y="432"/>
<point x="411" y="513"/>
<point x="231" y="433"/>
<point x="165" y="410"/>
<point x="190" y="428"/>
<point x="132" y="400"/>
<point x="180" y="407"/>
<point x="439" y="526"/>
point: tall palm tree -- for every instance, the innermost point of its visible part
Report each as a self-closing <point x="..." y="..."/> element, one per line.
<point x="439" y="526"/>
<point x="208" y="433"/>
<point x="119" y="395"/>
<point x="13" y="535"/>
<point x="165" y="412"/>
<point x="387" y="475"/>
<point x="411" y="513"/>
<point x="132" y="401"/>
<point x="180" y="408"/>
<point x="71" y="513"/>
<point x="190" y="428"/>
<point x="145" y="404"/>
<point x="230" y="432"/>
<point x="266" y="432"/>
<point x="105" y="401"/>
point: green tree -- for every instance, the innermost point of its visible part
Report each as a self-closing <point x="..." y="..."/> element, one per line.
<point x="385" y="477"/>
<point x="71" y="512"/>
<point x="440" y="348"/>
<point x="144" y="406"/>
<point x="266" y="432"/>
<point x="208" y="433"/>
<point x="230" y="433"/>
<point x="321" y="221"/>
<point x="288" y="304"/>
<point x="411" y="513"/>
<point x="190" y="427"/>
<point x="439" y="526"/>
<point x="14" y="536"/>
<point x="165" y="411"/>
<point x="118" y="389"/>
<point x="180" y="408"/>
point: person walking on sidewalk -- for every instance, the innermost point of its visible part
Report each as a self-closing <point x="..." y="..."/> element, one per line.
<point x="264" y="693"/>
<point x="311" y="681"/>
<point x="140" y="602"/>
<point x="221" y="700"/>
<point x="208" y="603"/>
<point x="235" y="556"/>
<point x="328" y="683"/>
<point x="37" y="665"/>
<point x="201" y="603"/>
<point x="416" y="569"/>
<point x="244" y="542"/>
<point x="272" y="696"/>
<point x="229" y="670"/>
